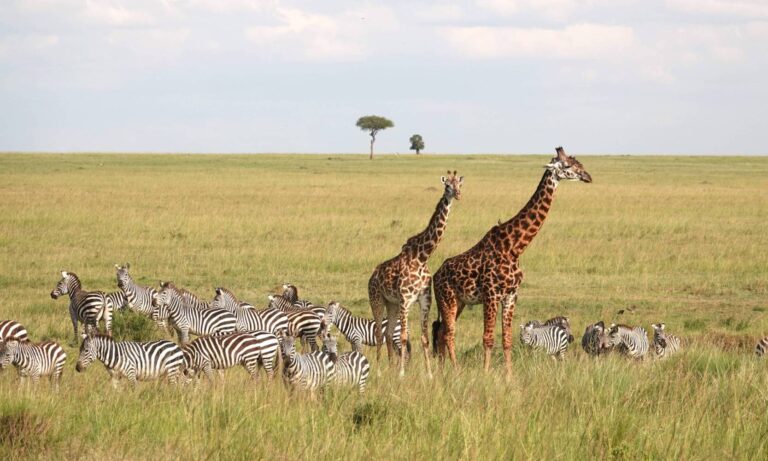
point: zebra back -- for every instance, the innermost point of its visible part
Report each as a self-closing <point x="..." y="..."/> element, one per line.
<point x="221" y="352"/>
<point x="138" y="361"/>
<point x="629" y="341"/>
<point x="11" y="329"/>
<point x="551" y="338"/>
<point x="34" y="360"/>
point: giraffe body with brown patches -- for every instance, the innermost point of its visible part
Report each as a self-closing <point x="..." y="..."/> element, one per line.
<point x="489" y="273"/>
<point x="402" y="281"/>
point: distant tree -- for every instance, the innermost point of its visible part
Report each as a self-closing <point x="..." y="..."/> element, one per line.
<point x="373" y="124"/>
<point x="417" y="143"/>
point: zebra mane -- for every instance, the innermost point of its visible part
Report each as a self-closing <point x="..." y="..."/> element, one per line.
<point x="226" y="292"/>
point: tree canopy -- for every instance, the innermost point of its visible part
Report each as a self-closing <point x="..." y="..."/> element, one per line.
<point x="373" y="124"/>
<point x="417" y="143"/>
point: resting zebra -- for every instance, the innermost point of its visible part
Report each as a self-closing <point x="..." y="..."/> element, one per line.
<point x="185" y="319"/>
<point x="304" y="323"/>
<point x="306" y="371"/>
<point x="291" y="293"/>
<point x="88" y="307"/>
<point x="552" y="338"/>
<point x="559" y="321"/>
<point x="136" y="361"/>
<point x="221" y="352"/>
<point x="761" y="347"/>
<point x="595" y="340"/>
<point x="351" y="368"/>
<point x="248" y="318"/>
<point x="359" y="331"/>
<point x="33" y="360"/>
<point x="11" y="329"/>
<point x="664" y="344"/>
<point x="629" y="341"/>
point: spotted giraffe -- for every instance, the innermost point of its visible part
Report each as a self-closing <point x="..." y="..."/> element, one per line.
<point x="398" y="283"/>
<point x="489" y="272"/>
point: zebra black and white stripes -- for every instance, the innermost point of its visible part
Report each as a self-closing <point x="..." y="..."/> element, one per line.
<point x="139" y="298"/>
<point x="33" y="360"/>
<point x="116" y="300"/>
<point x="303" y="323"/>
<point x="358" y="331"/>
<point x="210" y="353"/>
<point x="762" y="347"/>
<point x="11" y="329"/>
<point x="559" y="321"/>
<point x="186" y="319"/>
<point x="552" y="339"/>
<point x="306" y="371"/>
<point x="136" y="361"/>
<point x="351" y="368"/>
<point x="629" y="341"/>
<point x="88" y="307"/>
<point x="664" y="344"/>
<point x="248" y="318"/>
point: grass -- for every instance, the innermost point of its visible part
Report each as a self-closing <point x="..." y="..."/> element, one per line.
<point x="681" y="239"/>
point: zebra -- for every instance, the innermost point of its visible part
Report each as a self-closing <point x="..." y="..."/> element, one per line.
<point x="11" y="329"/>
<point x="630" y="341"/>
<point x="33" y="360"/>
<point x="595" y="340"/>
<point x="185" y="319"/>
<point x="664" y="344"/>
<point x="248" y="318"/>
<point x="307" y="371"/>
<point x="291" y="293"/>
<point x="304" y="323"/>
<point x="762" y="347"/>
<point x="88" y="307"/>
<point x="187" y="297"/>
<point x="220" y="352"/>
<point x="559" y="321"/>
<point x="136" y="361"/>
<point x="360" y="331"/>
<point x="139" y="298"/>
<point x="351" y="368"/>
<point x="117" y="300"/>
<point x="552" y="338"/>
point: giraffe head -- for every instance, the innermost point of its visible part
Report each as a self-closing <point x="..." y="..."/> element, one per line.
<point x="566" y="167"/>
<point x="453" y="184"/>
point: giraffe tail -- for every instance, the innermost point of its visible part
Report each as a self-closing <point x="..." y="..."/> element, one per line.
<point x="435" y="331"/>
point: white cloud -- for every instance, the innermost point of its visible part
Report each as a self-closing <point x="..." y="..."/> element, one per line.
<point x="115" y="14"/>
<point x="22" y="45"/>
<point x="750" y="8"/>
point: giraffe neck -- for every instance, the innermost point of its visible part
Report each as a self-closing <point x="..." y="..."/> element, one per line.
<point x="517" y="233"/>
<point x="422" y="245"/>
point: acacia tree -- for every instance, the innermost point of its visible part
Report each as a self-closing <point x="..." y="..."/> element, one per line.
<point x="373" y="124"/>
<point x="417" y="143"/>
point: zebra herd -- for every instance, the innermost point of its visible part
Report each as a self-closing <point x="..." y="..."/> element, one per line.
<point x="231" y="332"/>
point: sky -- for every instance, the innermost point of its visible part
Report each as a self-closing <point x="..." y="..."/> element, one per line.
<point x="474" y="76"/>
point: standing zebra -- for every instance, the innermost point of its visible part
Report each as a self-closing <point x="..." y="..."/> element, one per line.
<point x="88" y="307"/>
<point x="351" y="368"/>
<point x="629" y="341"/>
<point x="248" y="318"/>
<point x="137" y="361"/>
<point x="762" y="347"/>
<point x="552" y="338"/>
<point x="559" y="321"/>
<point x="33" y="360"/>
<point x="664" y="344"/>
<point x="303" y="322"/>
<point x="359" y="331"/>
<point x="221" y="352"/>
<point x="307" y="371"/>
<point x="186" y="319"/>
<point x="595" y="340"/>
<point x="291" y="293"/>
<point x="139" y="298"/>
<point x="11" y="329"/>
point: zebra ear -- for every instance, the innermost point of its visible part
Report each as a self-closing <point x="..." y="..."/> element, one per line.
<point x="64" y="274"/>
<point x="84" y="335"/>
<point x="270" y="297"/>
<point x="661" y="326"/>
<point x="117" y="267"/>
<point x="218" y="290"/>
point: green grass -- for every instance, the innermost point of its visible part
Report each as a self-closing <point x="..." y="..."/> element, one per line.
<point x="682" y="239"/>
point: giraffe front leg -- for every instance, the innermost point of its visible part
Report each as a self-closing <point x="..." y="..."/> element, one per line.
<point x="425" y="302"/>
<point x="377" y="308"/>
<point x="508" y="312"/>
<point x="490" y="311"/>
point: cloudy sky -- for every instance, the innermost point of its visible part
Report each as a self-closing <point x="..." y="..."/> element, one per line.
<point x="500" y="76"/>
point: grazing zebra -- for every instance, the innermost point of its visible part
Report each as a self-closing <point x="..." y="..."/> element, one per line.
<point x="351" y="368"/>
<point x="185" y="319"/>
<point x="306" y="371"/>
<point x="663" y="343"/>
<point x="552" y="338"/>
<point x="304" y="323"/>
<point x="33" y="360"/>
<point x="359" y="331"/>
<point x="762" y="347"/>
<point x="559" y="321"/>
<point x="291" y="293"/>
<point x="116" y="300"/>
<point x="629" y="341"/>
<point x="595" y="340"/>
<point x="11" y="329"/>
<point x="139" y="298"/>
<point x="136" y="361"/>
<point x="248" y="318"/>
<point x="221" y="352"/>
<point x="88" y="307"/>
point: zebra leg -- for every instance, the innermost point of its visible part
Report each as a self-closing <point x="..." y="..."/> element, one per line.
<point x="208" y="371"/>
<point x="252" y="367"/>
<point x="183" y="336"/>
<point x="425" y="302"/>
<point x="73" y="316"/>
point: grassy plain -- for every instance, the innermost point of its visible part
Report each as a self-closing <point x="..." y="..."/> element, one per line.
<point x="682" y="239"/>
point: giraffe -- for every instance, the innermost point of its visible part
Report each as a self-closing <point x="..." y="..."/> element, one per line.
<point x="398" y="283"/>
<point x="489" y="272"/>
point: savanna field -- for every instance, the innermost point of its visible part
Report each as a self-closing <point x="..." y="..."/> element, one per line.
<point x="680" y="240"/>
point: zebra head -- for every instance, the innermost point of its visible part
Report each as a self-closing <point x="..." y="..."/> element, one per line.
<point x="526" y="331"/>
<point x="331" y="312"/>
<point x="288" y="346"/>
<point x="87" y="353"/>
<point x="614" y="334"/>
<point x="566" y="167"/>
<point x="7" y="351"/>
<point x="452" y="185"/>
<point x="290" y="292"/>
<point x="224" y="299"/>
<point x="162" y="302"/>
<point x="123" y="278"/>
<point x="63" y="286"/>
<point x="659" y="336"/>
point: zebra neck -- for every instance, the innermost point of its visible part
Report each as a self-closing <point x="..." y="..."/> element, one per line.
<point x="105" y="351"/>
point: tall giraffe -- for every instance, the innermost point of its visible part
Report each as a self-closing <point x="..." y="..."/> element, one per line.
<point x="489" y="272"/>
<point x="399" y="282"/>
